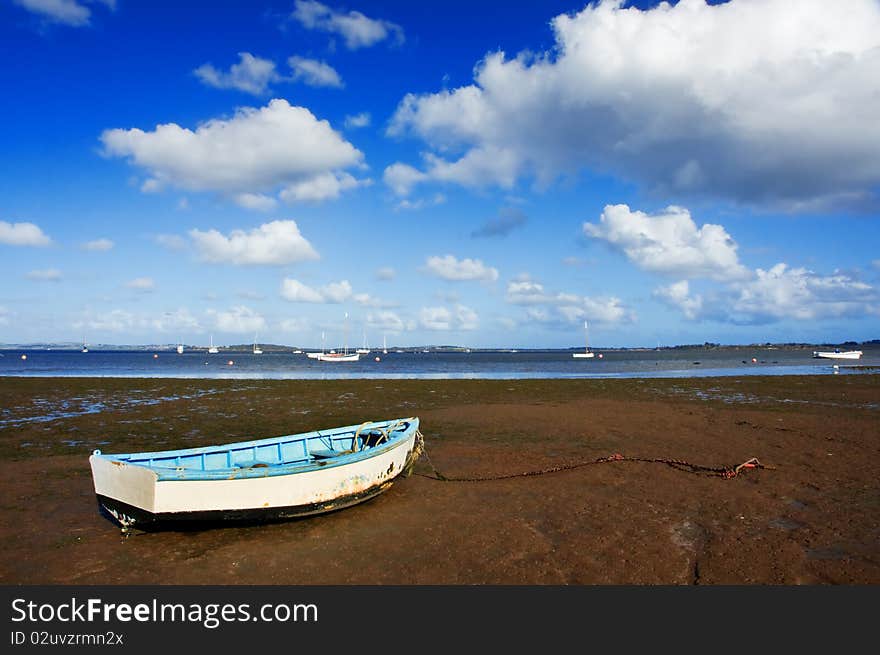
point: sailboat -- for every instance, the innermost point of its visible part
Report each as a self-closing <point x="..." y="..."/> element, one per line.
<point x="315" y="355"/>
<point x="364" y="350"/>
<point x="586" y="354"/>
<point x="212" y="349"/>
<point x="85" y="348"/>
<point x="384" y="346"/>
<point x="334" y="356"/>
<point x="179" y="347"/>
<point x="257" y="350"/>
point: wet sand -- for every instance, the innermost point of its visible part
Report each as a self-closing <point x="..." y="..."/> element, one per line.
<point x="814" y="518"/>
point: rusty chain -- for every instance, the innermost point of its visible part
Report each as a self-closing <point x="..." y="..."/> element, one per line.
<point x="720" y="471"/>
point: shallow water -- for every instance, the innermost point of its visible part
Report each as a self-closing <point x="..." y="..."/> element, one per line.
<point x="673" y="363"/>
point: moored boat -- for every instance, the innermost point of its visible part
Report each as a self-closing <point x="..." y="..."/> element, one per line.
<point x="338" y="357"/>
<point x="838" y="354"/>
<point x="274" y="478"/>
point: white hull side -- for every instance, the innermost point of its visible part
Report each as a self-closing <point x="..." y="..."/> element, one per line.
<point x="583" y="355"/>
<point x="853" y="354"/>
<point x="338" y="358"/>
<point x="138" y="486"/>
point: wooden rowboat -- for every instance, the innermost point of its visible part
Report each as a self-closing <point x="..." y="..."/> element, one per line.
<point x="267" y="479"/>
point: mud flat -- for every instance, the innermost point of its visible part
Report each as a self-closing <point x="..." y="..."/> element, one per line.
<point x="813" y="518"/>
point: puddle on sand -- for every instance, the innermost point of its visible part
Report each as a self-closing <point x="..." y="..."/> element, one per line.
<point x="783" y="523"/>
<point x="826" y="553"/>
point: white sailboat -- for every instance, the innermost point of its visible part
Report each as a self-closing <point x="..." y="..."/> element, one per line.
<point x="334" y="356"/>
<point x="364" y="350"/>
<point x="587" y="354"/>
<point x="384" y="346"/>
<point x="179" y="347"/>
<point x="316" y="355"/>
<point x="85" y="348"/>
<point x="212" y="349"/>
<point x="257" y="350"/>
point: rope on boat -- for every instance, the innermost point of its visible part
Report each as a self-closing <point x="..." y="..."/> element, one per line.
<point x="724" y="472"/>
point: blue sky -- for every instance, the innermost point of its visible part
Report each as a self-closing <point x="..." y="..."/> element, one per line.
<point x="484" y="174"/>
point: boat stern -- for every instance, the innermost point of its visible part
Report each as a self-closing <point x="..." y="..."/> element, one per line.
<point x="119" y="482"/>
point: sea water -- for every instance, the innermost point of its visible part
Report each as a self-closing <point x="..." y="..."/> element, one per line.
<point x="669" y="363"/>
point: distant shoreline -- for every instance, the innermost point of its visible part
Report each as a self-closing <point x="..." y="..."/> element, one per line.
<point x="275" y="348"/>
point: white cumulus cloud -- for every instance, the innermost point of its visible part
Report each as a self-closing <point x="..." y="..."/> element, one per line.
<point x="450" y="268"/>
<point x="143" y="284"/>
<point x="239" y="320"/>
<point x="356" y="29"/>
<point x="98" y="245"/>
<point x="678" y="295"/>
<point x="66" y="12"/>
<point x="669" y="242"/>
<point x="459" y="317"/>
<point x="356" y="121"/>
<point x="334" y="292"/>
<point x="314" y="73"/>
<point x="275" y="243"/>
<point x="22" y="234"/>
<point x="256" y="151"/>
<point x="766" y="102"/>
<point x="782" y="292"/>
<point x="251" y="74"/>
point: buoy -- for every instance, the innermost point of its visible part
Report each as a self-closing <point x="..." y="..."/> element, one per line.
<point x="754" y="360"/>
<point x="155" y="356"/>
<point x="378" y="360"/>
<point x="601" y="355"/>
<point x="24" y="356"/>
<point x="230" y="363"/>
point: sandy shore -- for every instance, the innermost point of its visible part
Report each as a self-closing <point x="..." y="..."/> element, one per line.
<point x="813" y="519"/>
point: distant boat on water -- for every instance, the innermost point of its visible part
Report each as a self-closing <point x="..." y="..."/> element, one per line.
<point x="257" y="349"/>
<point x="364" y="350"/>
<point x="179" y="347"/>
<point x="315" y="355"/>
<point x="85" y="348"/>
<point x="384" y="346"/>
<point x="344" y="356"/>
<point x="587" y="354"/>
<point x="837" y="354"/>
<point x="338" y="357"/>
<point x="212" y="349"/>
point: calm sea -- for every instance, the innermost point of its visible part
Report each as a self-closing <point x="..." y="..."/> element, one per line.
<point x="677" y="363"/>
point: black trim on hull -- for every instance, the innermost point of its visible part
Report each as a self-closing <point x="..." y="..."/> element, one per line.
<point x="144" y="520"/>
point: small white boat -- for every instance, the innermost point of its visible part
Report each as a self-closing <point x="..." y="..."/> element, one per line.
<point x="212" y="349"/>
<point x="85" y="348"/>
<point x="384" y="345"/>
<point x="268" y="479"/>
<point x="334" y="356"/>
<point x="257" y="349"/>
<point x="837" y="354"/>
<point x="315" y="355"/>
<point x="587" y="354"/>
<point x="338" y="357"/>
<point x="179" y="348"/>
<point x="364" y="350"/>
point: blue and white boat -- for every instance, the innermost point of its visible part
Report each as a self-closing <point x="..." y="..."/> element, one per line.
<point x="268" y="479"/>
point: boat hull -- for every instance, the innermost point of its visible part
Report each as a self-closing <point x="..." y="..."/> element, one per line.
<point x="137" y="496"/>
<point x="583" y="355"/>
<point x="851" y="354"/>
<point x="338" y="358"/>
